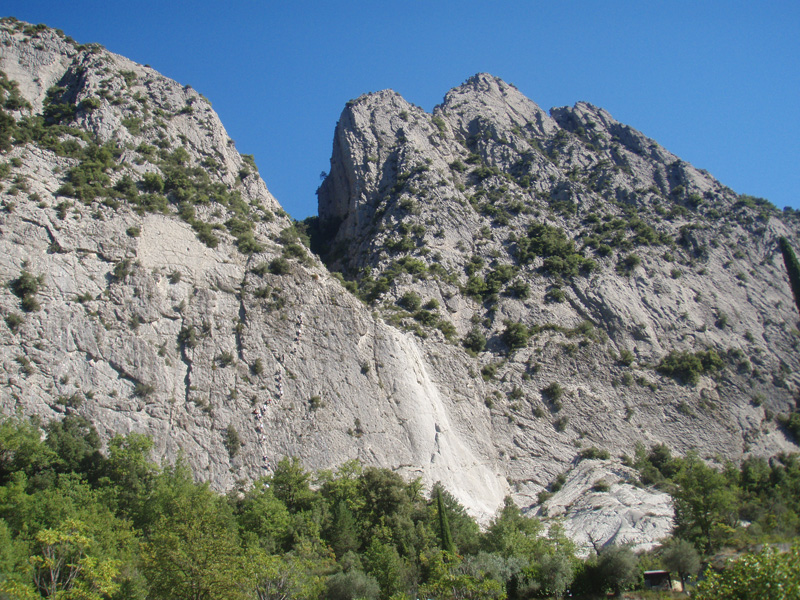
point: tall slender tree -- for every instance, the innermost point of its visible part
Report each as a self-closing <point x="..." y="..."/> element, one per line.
<point x="792" y="268"/>
<point x="445" y="535"/>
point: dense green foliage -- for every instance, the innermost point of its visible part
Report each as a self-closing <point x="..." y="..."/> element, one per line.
<point x="792" y="268"/>
<point x="122" y="526"/>
<point x="755" y="505"/>
<point x="118" y="525"/>
<point x="767" y="574"/>
<point x="712" y="506"/>
<point x="687" y="367"/>
<point x="132" y="529"/>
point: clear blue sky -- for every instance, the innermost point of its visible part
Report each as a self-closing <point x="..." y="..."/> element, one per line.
<point x="716" y="82"/>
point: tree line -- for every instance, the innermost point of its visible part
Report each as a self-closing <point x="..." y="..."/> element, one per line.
<point x="79" y="523"/>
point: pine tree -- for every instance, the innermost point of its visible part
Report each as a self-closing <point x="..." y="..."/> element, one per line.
<point x="444" y="526"/>
<point x="792" y="268"/>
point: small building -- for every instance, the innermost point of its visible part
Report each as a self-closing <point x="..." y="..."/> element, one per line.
<point x="661" y="580"/>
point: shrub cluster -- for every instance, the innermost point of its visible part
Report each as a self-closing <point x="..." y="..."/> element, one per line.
<point x="25" y="287"/>
<point x="488" y="288"/>
<point x="561" y="258"/>
<point x="687" y="367"/>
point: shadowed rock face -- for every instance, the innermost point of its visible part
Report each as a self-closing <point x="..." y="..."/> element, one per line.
<point x="175" y="300"/>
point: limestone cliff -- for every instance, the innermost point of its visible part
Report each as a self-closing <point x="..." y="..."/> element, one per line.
<point x="174" y="299"/>
<point x="153" y="284"/>
<point x="584" y="266"/>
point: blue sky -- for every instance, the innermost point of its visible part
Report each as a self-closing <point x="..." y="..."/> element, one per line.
<point x="715" y="82"/>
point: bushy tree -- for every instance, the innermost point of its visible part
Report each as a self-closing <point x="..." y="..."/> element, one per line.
<point x="767" y="574"/>
<point x="351" y="585"/>
<point x="446" y="580"/>
<point x="263" y="518"/>
<point x="556" y="567"/>
<point x="343" y="531"/>
<point x="130" y="470"/>
<point x="77" y="444"/>
<point x="389" y="504"/>
<point x="510" y="530"/>
<point x="540" y="563"/>
<point x="618" y="568"/>
<point x="66" y="564"/>
<point x="474" y="340"/>
<point x="705" y="504"/>
<point x="384" y="563"/>
<point x="770" y="495"/>
<point x="283" y="576"/>
<point x="556" y="572"/>
<point x="193" y="548"/>
<point x="687" y="367"/>
<point x="279" y="266"/>
<point x="489" y="564"/>
<point x="411" y="301"/>
<point x="22" y="449"/>
<point x="515" y="336"/>
<point x="681" y="557"/>
<point x="291" y="484"/>
<point x="13" y="560"/>
<point x="152" y="182"/>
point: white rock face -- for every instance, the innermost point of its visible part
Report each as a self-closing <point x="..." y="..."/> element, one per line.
<point x="456" y="190"/>
<point x="598" y="506"/>
<point x="441" y="435"/>
<point x="99" y="338"/>
<point x="145" y="327"/>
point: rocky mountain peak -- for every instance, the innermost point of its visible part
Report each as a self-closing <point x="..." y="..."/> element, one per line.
<point x="586" y="120"/>
<point x="484" y="99"/>
<point x="174" y="297"/>
<point x="39" y="66"/>
<point x="368" y="126"/>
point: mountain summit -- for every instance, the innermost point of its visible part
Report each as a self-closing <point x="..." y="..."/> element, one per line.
<point x="499" y="292"/>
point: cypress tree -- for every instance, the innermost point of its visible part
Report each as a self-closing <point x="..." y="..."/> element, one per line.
<point x="344" y="535"/>
<point x="792" y="268"/>
<point x="444" y="526"/>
